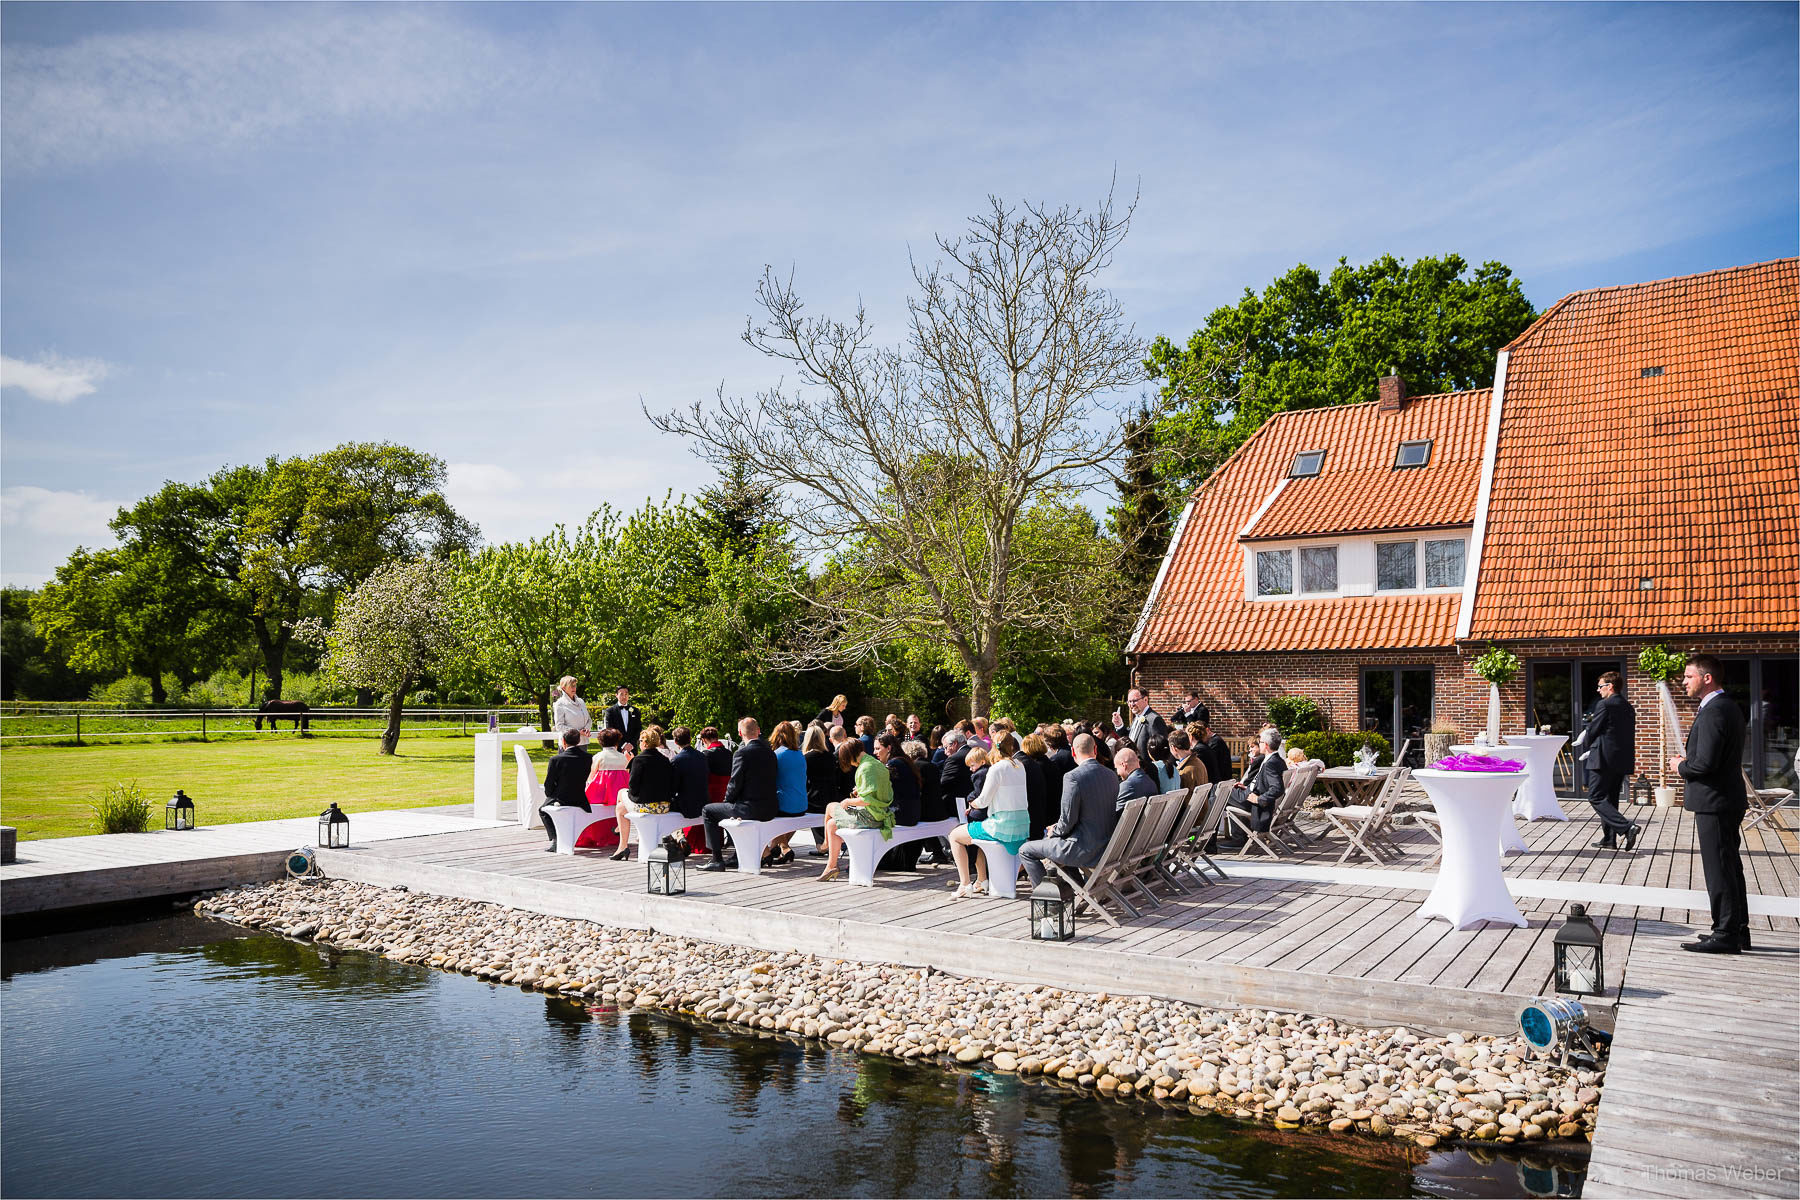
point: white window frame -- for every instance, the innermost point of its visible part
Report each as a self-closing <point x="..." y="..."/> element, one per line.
<point x="1425" y="583"/>
<point x="1356" y="564"/>
<point x="1300" y="588"/>
<point x="1256" y="574"/>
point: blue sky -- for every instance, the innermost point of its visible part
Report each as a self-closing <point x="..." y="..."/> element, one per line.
<point x="487" y="232"/>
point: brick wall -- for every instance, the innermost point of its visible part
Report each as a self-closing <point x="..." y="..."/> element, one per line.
<point x="1238" y="687"/>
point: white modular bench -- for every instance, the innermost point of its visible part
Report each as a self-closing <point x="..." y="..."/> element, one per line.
<point x="570" y="822"/>
<point x="1002" y="868"/>
<point x="866" y="846"/>
<point x="647" y="829"/>
<point x="750" y="837"/>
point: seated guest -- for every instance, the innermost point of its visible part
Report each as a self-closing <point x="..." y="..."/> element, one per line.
<point x="977" y="761"/>
<point x="1160" y="762"/>
<point x="1191" y="768"/>
<point x="821" y="770"/>
<point x="953" y="771"/>
<point x="790" y="788"/>
<point x="1006" y="819"/>
<point x="1134" y="780"/>
<point x="691" y="791"/>
<point x="981" y="736"/>
<point x="915" y="728"/>
<point x="865" y="733"/>
<point x="1043" y="784"/>
<point x="1088" y="812"/>
<point x="718" y="764"/>
<point x="1269" y="783"/>
<point x="1061" y="761"/>
<point x="904" y="778"/>
<point x="934" y="745"/>
<point x="934" y="804"/>
<point x="1212" y="747"/>
<point x="652" y="784"/>
<point x="870" y="808"/>
<point x="749" y="791"/>
<point x="565" y="779"/>
<point x="606" y="779"/>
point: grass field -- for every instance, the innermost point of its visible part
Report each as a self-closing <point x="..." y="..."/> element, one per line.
<point x="47" y="791"/>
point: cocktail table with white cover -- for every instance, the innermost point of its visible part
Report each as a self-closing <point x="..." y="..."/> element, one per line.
<point x="1536" y="800"/>
<point x="1474" y="807"/>
<point x="1511" y="841"/>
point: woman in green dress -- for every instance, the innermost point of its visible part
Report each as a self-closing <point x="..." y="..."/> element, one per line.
<point x="871" y="808"/>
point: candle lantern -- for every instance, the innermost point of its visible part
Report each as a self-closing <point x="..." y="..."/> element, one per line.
<point x="1580" y="967"/>
<point x="334" y="829"/>
<point x="179" y="812"/>
<point x="1641" y="791"/>
<point x="1052" y="911"/>
<point x="667" y="872"/>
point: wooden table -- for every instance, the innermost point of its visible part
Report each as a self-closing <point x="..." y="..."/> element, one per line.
<point x="1347" y="785"/>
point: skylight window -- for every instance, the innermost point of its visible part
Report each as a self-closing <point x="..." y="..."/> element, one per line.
<point x="1306" y="464"/>
<point x="1650" y="372"/>
<point x="1413" y="454"/>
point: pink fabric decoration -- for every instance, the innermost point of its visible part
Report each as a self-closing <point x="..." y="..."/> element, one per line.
<point x="1476" y="762"/>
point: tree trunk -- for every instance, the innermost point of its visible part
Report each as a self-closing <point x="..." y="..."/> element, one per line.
<point x="543" y="712"/>
<point x="273" y="645"/>
<point x="981" y="690"/>
<point x="390" y="737"/>
<point x="365" y="697"/>
<point x="159" y="695"/>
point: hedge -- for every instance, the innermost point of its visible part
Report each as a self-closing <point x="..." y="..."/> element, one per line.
<point x="1339" y="749"/>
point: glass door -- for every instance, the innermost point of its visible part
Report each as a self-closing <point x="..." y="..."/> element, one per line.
<point x="1767" y="691"/>
<point x="1563" y="695"/>
<point x="1397" y="704"/>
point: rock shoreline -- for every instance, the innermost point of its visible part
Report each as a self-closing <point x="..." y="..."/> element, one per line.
<point x="1291" y="1069"/>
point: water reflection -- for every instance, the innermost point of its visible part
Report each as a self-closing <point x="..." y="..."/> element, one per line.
<point x="421" y="1083"/>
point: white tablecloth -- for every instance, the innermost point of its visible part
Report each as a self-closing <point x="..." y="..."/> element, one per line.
<point x="1536" y="800"/>
<point x="1476" y="809"/>
<point x="1511" y="842"/>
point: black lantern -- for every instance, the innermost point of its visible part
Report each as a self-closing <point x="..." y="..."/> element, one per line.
<point x="1580" y="969"/>
<point x="667" y="872"/>
<point x="179" y="812"/>
<point x="1641" y="791"/>
<point x="334" y="829"/>
<point x="1052" y="912"/>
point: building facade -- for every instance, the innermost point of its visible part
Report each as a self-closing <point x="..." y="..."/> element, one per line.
<point x="1632" y="478"/>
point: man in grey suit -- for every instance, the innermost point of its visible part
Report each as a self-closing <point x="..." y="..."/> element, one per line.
<point x="1146" y="722"/>
<point x="1135" y="779"/>
<point x="1090" y="797"/>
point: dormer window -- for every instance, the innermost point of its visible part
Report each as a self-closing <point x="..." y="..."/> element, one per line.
<point x="1413" y="454"/>
<point x="1306" y="464"/>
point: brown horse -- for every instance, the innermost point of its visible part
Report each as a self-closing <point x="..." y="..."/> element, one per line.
<point x="283" y="709"/>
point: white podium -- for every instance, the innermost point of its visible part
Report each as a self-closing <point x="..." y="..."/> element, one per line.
<point x="1536" y="800"/>
<point x="1475" y="808"/>
<point x="491" y="761"/>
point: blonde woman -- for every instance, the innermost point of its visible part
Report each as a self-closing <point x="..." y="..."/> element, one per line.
<point x="1008" y="819"/>
<point x="652" y="781"/>
<point x="833" y="713"/>
<point x="569" y="711"/>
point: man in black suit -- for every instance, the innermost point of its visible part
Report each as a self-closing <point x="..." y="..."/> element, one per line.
<point x="565" y="780"/>
<point x="1146" y="722"/>
<point x="1609" y="750"/>
<point x="625" y="718"/>
<point x="1212" y="747"/>
<point x="954" y="780"/>
<point x="691" y="792"/>
<point x="1193" y="710"/>
<point x="1713" y="769"/>
<point x="749" y="795"/>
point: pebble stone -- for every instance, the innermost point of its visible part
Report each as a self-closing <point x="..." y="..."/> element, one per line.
<point x="1291" y="1069"/>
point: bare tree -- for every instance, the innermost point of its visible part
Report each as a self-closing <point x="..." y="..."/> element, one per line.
<point x="918" y="472"/>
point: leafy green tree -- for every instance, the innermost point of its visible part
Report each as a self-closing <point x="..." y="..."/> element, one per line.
<point x="139" y="609"/>
<point x="1309" y="341"/>
<point x="389" y="631"/>
<point x="29" y="668"/>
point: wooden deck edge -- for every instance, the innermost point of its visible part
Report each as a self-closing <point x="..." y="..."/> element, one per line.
<point x="1076" y="967"/>
<point x="29" y="894"/>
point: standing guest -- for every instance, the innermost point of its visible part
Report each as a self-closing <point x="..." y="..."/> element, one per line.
<point x="915" y="728"/>
<point x="1085" y="822"/>
<point x="652" y="784"/>
<point x="1043" y="782"/>
<point x="606" y="779"/>
<point x="1061" y="761"/>
<point x="790" y="789"/>
<point x="718" y="764"/>
<point x="981" y="736"/>
<point x="1008" y="815"/>
<point x="870" y="808"/>
<point x="565" y="780"/>
<point x="1146" y="723"/>
<point x="1190" y="710"/>
<point x="865" y="733"/>
<point x="1191" y="770"/>
<point x="1713" y="769"/>
<point x="1610" y="753"/>
<point x="1135" y="779"/>
<point x="750" y="793"/>
<point x="624" y="717"/>
<point x="833" y="713"/>
<point x="570" y="711"/>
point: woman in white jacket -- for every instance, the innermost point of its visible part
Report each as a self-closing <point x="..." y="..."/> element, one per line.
<point x="570" y="711"/>
<point x="1008" y="819"/>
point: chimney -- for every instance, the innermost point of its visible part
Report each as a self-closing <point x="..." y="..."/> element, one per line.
<point x="1393" y="392"/>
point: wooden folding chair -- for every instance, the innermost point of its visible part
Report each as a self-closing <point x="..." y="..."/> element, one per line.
<point x="1149" y="843"/>
<point x="1171" y="861"/>
<point x="1211" y="821"/>
<point x="1765" y="804"/>
<point x="1428" y="820"/>
<point x="1367" y="827"/>
<point x="1098" y="886"/>
<point x="1286" y="825"/>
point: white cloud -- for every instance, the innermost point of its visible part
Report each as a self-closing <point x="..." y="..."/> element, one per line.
<point x="78" y="516"/>
<point x="480" y="479"/>
<point x="53" y="378"/>
<point x="237" y="81"/>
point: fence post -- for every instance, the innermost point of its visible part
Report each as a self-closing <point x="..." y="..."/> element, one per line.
<point x="203" y="724"/>
<point x="78" y="727"/>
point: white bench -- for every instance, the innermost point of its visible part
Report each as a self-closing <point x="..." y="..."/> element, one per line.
<point x="866" y="846"/>
<point x="650" y="828"/>
<point x="1002" y="868"/>
<point x="570" y="822"/>
<point x="750" y="837"/>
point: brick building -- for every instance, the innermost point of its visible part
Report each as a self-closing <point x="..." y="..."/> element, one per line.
<point x="1633" y="477"/>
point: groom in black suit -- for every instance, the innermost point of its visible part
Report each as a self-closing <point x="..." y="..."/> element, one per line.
<point x="1713" y="769"/>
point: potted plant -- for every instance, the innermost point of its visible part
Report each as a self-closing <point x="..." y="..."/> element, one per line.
<point x="1438" y="741"/>
<point x="1665" y="667"/>
<point x="1499" y="667"/>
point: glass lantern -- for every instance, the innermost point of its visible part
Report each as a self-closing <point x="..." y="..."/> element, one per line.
<point x="1052" y="911"/>
<point x="334" y="829"/>
<point x="1580" y="967"/>
<point x="179" y="812"/>
<point x="667" y="875"/>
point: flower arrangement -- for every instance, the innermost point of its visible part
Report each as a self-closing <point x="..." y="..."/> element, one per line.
<point x="1660" y="664"/>
<point x="1497" y="666"/>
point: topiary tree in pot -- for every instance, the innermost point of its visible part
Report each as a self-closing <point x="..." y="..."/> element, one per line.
<point x="1665" y="667"/>
<point x="1498" y="667"/>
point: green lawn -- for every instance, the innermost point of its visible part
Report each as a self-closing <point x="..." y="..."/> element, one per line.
<point x="46" y="791"/>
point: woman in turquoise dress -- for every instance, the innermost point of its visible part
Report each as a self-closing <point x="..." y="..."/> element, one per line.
<point x="1008" y="819"/>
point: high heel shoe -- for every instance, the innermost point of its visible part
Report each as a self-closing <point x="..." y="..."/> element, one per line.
<point x="784" y="858"/>
<point x="828" y="874"/>
<point x="962" y="892"/>
<point x="770" y="857"/>
<point x="623" y="854"/>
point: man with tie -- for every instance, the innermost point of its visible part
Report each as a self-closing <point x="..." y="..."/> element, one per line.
<point x="625" y="718"/>
<point x="1146" y="723"/>
<point x="1713" y="769"/>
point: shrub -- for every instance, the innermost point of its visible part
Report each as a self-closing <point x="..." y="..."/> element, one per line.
<point x="1497" y="666"/>
<point x="1295" y="714"/>
<point x="123" y="809"/>
<point x="1339" y="749"/>
<point x="1659" y="664"/>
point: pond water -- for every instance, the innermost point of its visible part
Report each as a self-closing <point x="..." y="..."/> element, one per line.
<point x="178" y="1056"/>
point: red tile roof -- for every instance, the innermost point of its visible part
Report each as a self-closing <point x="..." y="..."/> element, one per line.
<point x="1690" y="478"/>
<point x="1200" y="604"/>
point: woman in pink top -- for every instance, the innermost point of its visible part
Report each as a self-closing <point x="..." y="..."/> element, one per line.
<point x="606" y="780"/>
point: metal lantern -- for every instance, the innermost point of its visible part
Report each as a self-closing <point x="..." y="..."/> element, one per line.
<point x="1052" y="912"/>
<point x="1641" y="790"/>
<point x="1580" y="968"/>
<point x="179" y="812"/>
<point x="668" y="874"/>
<point x="334" y="829"/>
